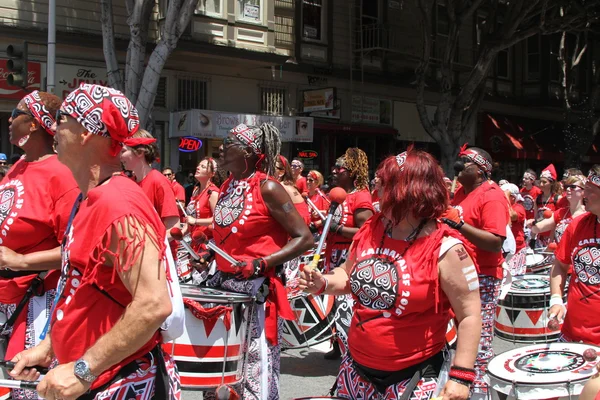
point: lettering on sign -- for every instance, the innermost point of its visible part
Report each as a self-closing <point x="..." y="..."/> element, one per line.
<point x="308" y="154"/>
<point x="189" y="144"/>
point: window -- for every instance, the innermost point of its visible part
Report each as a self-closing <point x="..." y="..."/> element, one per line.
<point x="503" y="64"/>
<point x="191" y="93"/>
<point x="533" y="58"/>
<point x="442" y="23"/>
<point x="370" y="12"/>
<point x="209" y="7"/>
<point x="272" y="100"/>
<point x="161" y="93"/>
<point x="313" y="19"/>
<point x="250" y="10"/>
<point x="555" y="67"/>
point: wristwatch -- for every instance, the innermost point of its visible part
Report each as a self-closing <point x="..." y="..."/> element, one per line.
<point x="82" y="371"/>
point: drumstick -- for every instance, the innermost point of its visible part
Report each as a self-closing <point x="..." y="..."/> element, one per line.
<point x="178" y="235"/>
<point x="313" y="206"/>
<point x="10" y="384"/>
<point x="218" y="250"/>
<point x="453" y="189"/>
<point x="182" y="209"/>
<point x="11" y="365"/>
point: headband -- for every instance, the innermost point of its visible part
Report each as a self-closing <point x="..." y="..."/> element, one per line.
<point x="529" y="175"/>
<point x="283" y="161"/>
<point x="248" y="136"/>
<point x="593" y="178"/>
<point x="131" y="142"/>
<point x="214" y="163"/>
<point x="103" y="111"/>
<point x="476" y="158"/>
<point x="34" y="103"/>
<point x="313" y="175"/>
<point x="401" y="159"/>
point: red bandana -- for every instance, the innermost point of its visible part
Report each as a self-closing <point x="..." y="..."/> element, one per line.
<point x="103" y="111"/>
<point x="34" y="103"/>
<point x="138" y="141"/>
<point x="477" y="158"/>
<point x="250" y="136"/>
<point x="593" y="178"/>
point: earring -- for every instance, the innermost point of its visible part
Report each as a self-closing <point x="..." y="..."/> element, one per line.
<point x="23" y="140"/>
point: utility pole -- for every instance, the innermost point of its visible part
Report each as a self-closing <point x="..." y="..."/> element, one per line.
<point x="51" y="58"/>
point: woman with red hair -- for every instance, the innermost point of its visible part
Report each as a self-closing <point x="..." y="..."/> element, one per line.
<point x="405" y="270"/>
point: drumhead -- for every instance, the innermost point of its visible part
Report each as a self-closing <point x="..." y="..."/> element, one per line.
<point x="529" y="285"/>
<point x="542" y="371"/>
<point x="213" y="295"/>
<point x="533" y="259"/>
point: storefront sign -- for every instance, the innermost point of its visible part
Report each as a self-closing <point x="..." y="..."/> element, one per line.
<point x="34" y="80"/>
<point x="213" y="124"/>
<point x="189" y="144"/>
<point x="336" y="113"/>
<point x="69" y="77"/>
<point x="307" y="154"/>
<point x="370" y="110"/>
<point x="318" y="100"/>
<point x="251" y="11"/>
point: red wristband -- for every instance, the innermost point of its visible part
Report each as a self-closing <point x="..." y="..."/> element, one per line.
<point x="464" y="374"/>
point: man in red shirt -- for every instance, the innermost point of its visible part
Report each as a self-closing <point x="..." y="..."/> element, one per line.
<point x="517" y="213"/>
<point x="177" y="188"/>
<point x="483" y="209"/>
<point x="579" y="247"/>
<point x="529" y="192"/>
<point x="297" y="168"/>
<point x="112" y="296"/>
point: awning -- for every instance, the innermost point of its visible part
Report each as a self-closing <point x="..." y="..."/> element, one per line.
<point x="355" y="128"/>
<point x="508" y="137"/>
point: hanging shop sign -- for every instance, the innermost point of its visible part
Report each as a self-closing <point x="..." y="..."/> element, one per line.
<point x="189" y="144"/>
<point x="69" y="77"/>
<point x="34" y="79"/>
<point x="318" y="100"/>
<point x="371" y="110"/>
<point x="308" y="154"/>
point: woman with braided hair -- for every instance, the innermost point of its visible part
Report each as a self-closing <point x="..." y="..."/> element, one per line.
<point x="257" y="224"/>
<point x="351" y="173"/>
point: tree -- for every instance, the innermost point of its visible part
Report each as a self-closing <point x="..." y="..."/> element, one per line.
<point x="504" y="24"/>
<point x="140" y="80"/>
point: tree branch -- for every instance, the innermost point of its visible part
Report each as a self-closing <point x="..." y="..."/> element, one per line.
<point x="108" y="45"/>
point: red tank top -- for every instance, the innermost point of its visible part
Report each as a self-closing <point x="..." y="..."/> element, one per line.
<point x="344" y="214"/>
<point x="201" y="208"/>
<point x="244" y="227"/>
<point x="549" y="204"/>
<point x="303" y="211"/>
<point x="400" y="313"/>
<point x="94" y="297"/>
<point x="321" y="201"/>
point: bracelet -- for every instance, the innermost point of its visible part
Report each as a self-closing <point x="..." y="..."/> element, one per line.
<point x="260" y="266"/>
<point x="460" y="381"/>
<point x="556" y="296"/>
<point x="556" y="301"/>
<point x="324" y="288"/>
<point x="460" y="225"/>
<point x="464" y="374"/>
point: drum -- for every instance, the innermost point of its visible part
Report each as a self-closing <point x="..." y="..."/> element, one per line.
<point x="313" y="324"/>
<point x="212" y="349"/>
<point x="522" y="316"/>
<point x="451" y="333"/>
<point x="542" y="371"/>
<point x="538" y="264"/>
<point x="292" y="271"/>
<point x="182" y="263"/>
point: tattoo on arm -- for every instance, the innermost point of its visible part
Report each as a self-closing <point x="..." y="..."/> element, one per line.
<point x="461" y="253"/>
<point x="470" y="274"/>
<point x="288" y="207"/>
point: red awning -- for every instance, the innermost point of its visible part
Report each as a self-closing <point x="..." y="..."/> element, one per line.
<point x="519" y="138"/>
<point x="355" y="128"/>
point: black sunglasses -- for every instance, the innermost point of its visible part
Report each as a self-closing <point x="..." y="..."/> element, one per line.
<point x="16" y="112"/>
<point x="59" y="115"/>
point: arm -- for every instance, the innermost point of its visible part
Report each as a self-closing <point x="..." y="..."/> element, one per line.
<point x="513" y="214"/>
<point x="283" y="211"/>
<point x="361" y="216"/>
<point x="544" y="225"/>
<point x="338" y="280"/>
<point x="482" y="239"/>
<point x="38" y="261"/>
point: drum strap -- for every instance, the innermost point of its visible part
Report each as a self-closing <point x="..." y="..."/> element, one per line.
<point x="429" y="368"/>
<point x="33" y="290"/>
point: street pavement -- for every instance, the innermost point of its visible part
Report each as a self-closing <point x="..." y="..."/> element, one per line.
<point x="304" y="372"/>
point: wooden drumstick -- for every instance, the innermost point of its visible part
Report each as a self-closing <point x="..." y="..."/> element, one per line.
<point x="453" y="189"/>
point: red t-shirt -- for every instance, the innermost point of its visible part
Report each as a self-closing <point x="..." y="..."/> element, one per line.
<point x="562" y="219"/>
<point x="580" y="246"/>
<point x="321" y="201"/>
<point x="160" y="192"/>
<point x="375" y="200"/>
<point x="178" y="190"/>
<point x="485" y="208"/>
<point x="36" y="199"/>
<point x="400" y="312"/>
<point x="529" y="197"/>
<point x="517" y="227"/>
<point x="542" y="206"/>
<point x="562" y="202"/>
<point x="200" y="206"/>
<point x="303" y="211"/>
<point x="344" y="214"/>
<point x="301" y="184"/>
<point x="94" y="297"/>
<point x="243" y="225"/>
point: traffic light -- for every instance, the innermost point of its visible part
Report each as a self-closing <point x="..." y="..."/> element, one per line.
<point x="17" y="65"/>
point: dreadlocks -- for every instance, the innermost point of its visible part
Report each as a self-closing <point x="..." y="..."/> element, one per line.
<point x="357" y="163"/>
<point x="270" y="146"/>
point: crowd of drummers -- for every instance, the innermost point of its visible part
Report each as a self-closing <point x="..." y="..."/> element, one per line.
<point x="96" y="246"/>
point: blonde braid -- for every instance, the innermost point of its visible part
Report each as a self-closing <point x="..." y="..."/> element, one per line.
<point x="358" y="164"/>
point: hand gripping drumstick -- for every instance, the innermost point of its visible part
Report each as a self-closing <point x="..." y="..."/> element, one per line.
<point x="178" y="235"/>
<point x="337" y="196"/>
<point x="11" y="365"/>
<point x="218" y="250"/>
<point x="10" y="384"/>
<point x="313" y="206"/>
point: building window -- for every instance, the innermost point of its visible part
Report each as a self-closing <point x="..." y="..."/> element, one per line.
<point x="503" y="64"/>
<point x="442" y="23"/>
<point x="191" y="94"/>
<point x="209" y="7"/>
<point x="555" y="68"/>
<point x="160" y="100"/>
<point x="250" y="10"/>
<point x="272" y="100"/>
<point x="533" y="58"/>
<point x="370" y="12"/>
<point x="313" y="20"/>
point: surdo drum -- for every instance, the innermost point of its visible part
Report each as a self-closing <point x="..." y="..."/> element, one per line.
<point x="211" y="351"/>
<point x="536" y="263"/>
<point x="543" y="371"/>
<point x="522" y="316"/>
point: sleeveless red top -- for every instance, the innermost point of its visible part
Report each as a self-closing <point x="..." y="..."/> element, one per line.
<point x="201" y="207"/>
<point x="303" y="211"/>
<point x="400" y="313"/>
<point x="94" y="297"/>
<point x="322" y="202"/>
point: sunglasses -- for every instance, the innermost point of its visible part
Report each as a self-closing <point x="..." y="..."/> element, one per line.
<point x="59" y="115"/>
<point x="16" y="112"/>
<point x="167" y="174"/>
<point x="573" y="187"/>
<point x="339" y="170"/>
<point x="296" y="166"/>
<point x="310" y="180"/>
<point x="279" y="168"/>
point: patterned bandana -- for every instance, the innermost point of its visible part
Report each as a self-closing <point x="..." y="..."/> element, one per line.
<point x="34" y="103"/>
<point x="131" y="142"/>
<point x="528" y="175"/>
<point x="103" y="111"/>
<point x="248" y="136"/>
<point x="593" y="178"/>
<point x="401" y="159"/>
<point x="477" y="158"/>
<point x="549" y="173"/>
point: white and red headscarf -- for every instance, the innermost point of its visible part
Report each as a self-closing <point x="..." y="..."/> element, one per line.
<point x="103" y="111"/>
<point x="593" y="178"/>
<point x="476" y="158"/>
<point x="40" y="113"/>
<point x="401" y="159"/>
<point x="248" y="136"/>
<point x="549" y="173"/>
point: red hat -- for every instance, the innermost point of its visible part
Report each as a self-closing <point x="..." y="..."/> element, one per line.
<point x="549" y="172"/>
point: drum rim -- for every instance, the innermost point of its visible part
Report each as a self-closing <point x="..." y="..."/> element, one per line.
<point x="227" y="296"/>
